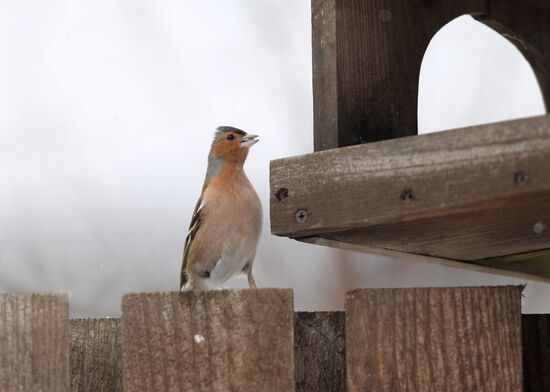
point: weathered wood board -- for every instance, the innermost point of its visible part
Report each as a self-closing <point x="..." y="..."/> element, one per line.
<point x="472" y="194"/>
<point x="96" y="364"/>
<point x="319" y="345"/>
<point x="320" y="351"/>
<point x="536" y="352"/>
<point x="367" y="56"/>
<point x="208" y="341"/>
<point x="434" y="339"/>
<point x="34" y="339"/>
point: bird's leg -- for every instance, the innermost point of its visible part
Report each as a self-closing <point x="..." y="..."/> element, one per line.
<point x="248" y="269"/>
<point x="250" y="277"/>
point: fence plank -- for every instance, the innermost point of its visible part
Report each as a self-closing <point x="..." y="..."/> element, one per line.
<point x="536" y="352"/>
<point x="34" y="340"/>
<point x="320" y="351"/>
<point x="208" y="341"/>
<point x="95" y="355"/>
<point x="440" y="339"/>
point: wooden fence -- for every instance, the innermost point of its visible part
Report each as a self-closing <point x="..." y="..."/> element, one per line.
<point x="424" y="339"/>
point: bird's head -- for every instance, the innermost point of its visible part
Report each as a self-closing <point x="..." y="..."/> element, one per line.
<point x="232" y="144"/>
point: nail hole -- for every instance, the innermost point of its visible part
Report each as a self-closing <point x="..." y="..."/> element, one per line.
<point x="407" y="195"/>
<point x="521" y="178"/>
<point x="281" y="194"/>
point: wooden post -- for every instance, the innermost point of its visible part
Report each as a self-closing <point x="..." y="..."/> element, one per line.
<point x="96" y="364"/>
<point x="320" y="351"/>
<point x="526" y="23"/>
<point x="208" y="341"/>
<point x="367" y="56"/>
<point x="434" y="339"/>
<point x="536" y="352"/>
<point x="34" y="342"/>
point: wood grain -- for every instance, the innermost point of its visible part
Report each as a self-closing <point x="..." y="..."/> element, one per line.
<point x="325" y="114"/>
<point x="367" y="57"/>
<point x="453" y="194"/>
<point x="487" y="234"/>
<point x="526" y="23"/>
<point x="366" y="65"/>
<point x="536" y="352"/>
<point x="434" y="339"/>
<point x="320" y="352"/>
<point x="96" y="364"/>
<point x="208" y="341"/>
<point x="34" y="337"/>
<point x="532" y="263"/>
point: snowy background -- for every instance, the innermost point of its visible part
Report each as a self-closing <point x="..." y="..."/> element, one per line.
<point x="107" y="109"/>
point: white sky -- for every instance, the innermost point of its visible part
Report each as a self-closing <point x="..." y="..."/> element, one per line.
<point x="106" y="116"/>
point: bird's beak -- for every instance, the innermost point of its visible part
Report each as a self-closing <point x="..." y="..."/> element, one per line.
<point x="249" y="140"/>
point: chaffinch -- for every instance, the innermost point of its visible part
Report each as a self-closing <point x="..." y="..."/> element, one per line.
<point x="225" y="228"/>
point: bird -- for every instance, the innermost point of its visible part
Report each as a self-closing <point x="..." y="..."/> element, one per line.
<point x="225" y="227"/>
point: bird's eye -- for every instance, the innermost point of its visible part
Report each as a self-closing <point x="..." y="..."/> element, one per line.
<point x="230" y="137"/>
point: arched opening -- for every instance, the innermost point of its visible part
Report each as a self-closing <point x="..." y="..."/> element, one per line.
<point x="470" y="75"/>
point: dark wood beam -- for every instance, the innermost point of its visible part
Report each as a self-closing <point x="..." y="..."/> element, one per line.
<point x="367" y="56"/>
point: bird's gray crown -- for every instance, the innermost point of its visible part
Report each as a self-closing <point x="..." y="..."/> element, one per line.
<point x="225" y="128"/>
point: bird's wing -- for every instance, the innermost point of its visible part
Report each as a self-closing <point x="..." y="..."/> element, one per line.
<point x="196" y="221"/>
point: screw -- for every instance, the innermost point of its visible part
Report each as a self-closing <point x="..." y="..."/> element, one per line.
<point x="521" y="178"/>
<point x="407" y="195"/>
<point x="539" y="227"/>
<point x="301" y="216"/>
<point x="281" y="194"/>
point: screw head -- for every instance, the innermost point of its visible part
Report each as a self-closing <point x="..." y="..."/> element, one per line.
<point x="539" y="228"/>
<point x="407" y="195"/>
<point x="281" y="194"/>
<point x="521" y="178"/>
<point x="301" y="216"/>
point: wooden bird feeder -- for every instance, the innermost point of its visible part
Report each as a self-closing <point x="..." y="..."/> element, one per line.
<point x="476" y="196"/>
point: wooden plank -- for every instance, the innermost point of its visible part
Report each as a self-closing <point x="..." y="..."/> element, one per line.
<point x="491" y="237"/>
<point x="34" y="337"/>
<point x="410" y="178"/>
<point x="366" y="65"/>
<point x="526" y="24"/>
<point x="367" y="57"/>
<point x="208" y="341"/>
<point x="532" y="263"/>
<point x="470" y="266"/>
<point x="536" y="352"/>
<point x="467" y="194"/>
<point x="320" y="354"/>
<point x="96" y="364"/>
<point x="492" y="230"/>
<point x="440" y="339"/>
<point x="325" y="113"/>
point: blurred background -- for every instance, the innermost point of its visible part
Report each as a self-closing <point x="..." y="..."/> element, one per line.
<point x="107" y="110"/>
